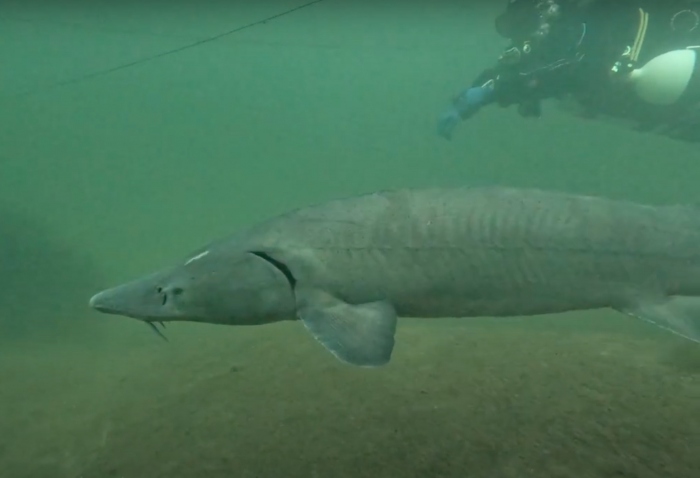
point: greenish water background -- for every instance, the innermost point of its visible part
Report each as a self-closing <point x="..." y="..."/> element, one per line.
<point x="114" y="176"/>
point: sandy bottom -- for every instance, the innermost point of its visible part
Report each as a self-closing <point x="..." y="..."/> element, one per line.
<point x="597" y="395"/>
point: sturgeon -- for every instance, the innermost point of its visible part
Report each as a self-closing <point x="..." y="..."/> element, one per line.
<point x="347" y="268"/>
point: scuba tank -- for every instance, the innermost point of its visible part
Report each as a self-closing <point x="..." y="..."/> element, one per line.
<point x="663" y="79"/>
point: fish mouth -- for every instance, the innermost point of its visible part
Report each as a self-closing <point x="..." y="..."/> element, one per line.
<point x="108" y="302"/>
<point x="100" y="302"/>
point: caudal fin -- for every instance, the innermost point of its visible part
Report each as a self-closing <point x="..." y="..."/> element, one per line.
<point x="678" y="314"/>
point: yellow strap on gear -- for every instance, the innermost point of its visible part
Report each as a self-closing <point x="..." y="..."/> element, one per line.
<point x="641" y="33"/>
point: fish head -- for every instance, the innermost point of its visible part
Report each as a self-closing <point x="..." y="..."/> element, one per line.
<point x="239" y="288"/>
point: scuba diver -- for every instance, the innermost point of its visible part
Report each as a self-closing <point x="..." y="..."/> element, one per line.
<point x="634" y="60"/>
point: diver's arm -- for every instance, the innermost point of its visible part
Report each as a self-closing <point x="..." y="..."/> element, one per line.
<point x="485" y="89"/>
<point x="505" y="86"/>
<point x="469" y="101"/>
<point x="493" y="85"/>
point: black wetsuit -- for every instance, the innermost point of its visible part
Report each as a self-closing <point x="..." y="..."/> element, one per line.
<point x="576" y="59"/>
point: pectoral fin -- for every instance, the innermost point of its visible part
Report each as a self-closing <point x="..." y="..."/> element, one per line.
<point x="679" y="315"/>
<point x="361" y="335"/>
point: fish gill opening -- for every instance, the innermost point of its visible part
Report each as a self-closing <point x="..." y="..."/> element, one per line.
<point x="281" y="266"/>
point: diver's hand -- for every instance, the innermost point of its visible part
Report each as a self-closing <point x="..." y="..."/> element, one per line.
<point x="463" y="107"/>
<point x="447" y="123"/>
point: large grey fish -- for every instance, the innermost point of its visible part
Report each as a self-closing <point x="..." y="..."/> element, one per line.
<point x="347" y="268"/>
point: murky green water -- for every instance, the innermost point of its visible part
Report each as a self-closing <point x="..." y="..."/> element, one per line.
<point x="116" y="175"/>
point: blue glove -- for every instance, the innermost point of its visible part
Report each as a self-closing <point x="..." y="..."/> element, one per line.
<point x="464" y="106"/>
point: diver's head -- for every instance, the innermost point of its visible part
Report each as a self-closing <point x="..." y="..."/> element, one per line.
<point x="539" y="28"/>
<point x="529" y="20"/>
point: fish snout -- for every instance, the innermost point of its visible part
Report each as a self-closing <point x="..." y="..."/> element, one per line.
<point x="102" y="303"/>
